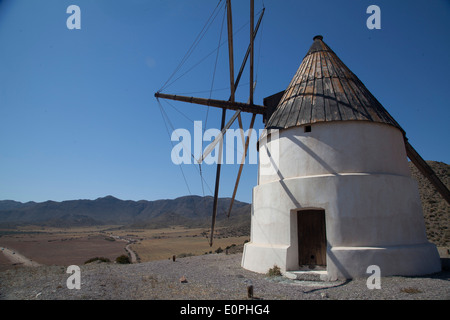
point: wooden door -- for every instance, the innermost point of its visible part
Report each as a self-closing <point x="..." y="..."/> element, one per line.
<point x="312" y="243"/>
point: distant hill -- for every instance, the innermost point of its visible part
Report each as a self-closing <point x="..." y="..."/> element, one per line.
<point x="435" y="209"/>
<point x="188" y="210"/>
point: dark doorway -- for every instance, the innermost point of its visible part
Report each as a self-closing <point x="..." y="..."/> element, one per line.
<point x="312" y="242"/>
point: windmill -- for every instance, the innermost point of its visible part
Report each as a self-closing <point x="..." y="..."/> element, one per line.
<point x="325" y="94"/>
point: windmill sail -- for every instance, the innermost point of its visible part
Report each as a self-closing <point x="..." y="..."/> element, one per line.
<point x="231" y="104"/>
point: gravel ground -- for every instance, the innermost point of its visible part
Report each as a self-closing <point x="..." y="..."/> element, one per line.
<point x="208" y="277"/>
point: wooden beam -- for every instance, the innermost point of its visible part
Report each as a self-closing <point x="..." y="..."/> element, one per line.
<point x="230" y="49"/>
<point x="222" y="125"/>
<point x="252" y="38"/>
<point x="244" y="107"/>
<point x="237" y="114"/>
<point x="241" y="127"/>
<point x="247" y="54"/>
<point x="222" y="133"/>
<point x="211" y="146"/>
<point x="216" y="189"/>
<point x="427" y="171"/>
<point x="242" y="164"/>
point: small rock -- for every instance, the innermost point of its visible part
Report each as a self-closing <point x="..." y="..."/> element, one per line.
<point x="183" y="279"/>
<point x="290" y="275"/>
<point x="324" y="295"/>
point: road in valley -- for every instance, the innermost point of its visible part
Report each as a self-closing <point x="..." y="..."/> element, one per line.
<point x="130" y="251"/>
<point x="132" y="254"/>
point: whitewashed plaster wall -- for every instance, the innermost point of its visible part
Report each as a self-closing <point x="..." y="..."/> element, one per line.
<point x="358" y="173"/>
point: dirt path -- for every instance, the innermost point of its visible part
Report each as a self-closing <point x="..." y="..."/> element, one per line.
<point x="17" y="258"/>
<point x="130" y="251"/>
<point x="132" y="254"/>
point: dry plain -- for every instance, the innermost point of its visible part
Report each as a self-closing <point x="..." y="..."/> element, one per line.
<point x="67" y="246"/>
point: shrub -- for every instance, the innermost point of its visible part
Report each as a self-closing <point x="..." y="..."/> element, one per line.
<point x="99" y="259"/>
<point x="410" y="290"/>
<point x="123" y="259"/>
<point x="274" y="272"/>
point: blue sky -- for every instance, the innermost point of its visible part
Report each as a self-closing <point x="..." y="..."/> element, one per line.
<point x="78" y="119"/>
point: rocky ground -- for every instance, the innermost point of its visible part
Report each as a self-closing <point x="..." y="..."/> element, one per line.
<point x="208" y="277"/>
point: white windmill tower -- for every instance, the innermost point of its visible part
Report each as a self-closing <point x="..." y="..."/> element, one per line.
<point x="334" y="187"/>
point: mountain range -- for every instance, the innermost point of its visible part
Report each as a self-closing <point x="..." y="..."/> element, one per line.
<point x="187" y="210"/>
<point x="193" y="211"/>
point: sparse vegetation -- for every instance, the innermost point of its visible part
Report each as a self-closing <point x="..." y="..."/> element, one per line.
<point x="157" y="243"/>
<point x="436" y="210"/>
<point x="123" y="259"/>
<point x="410" y="290"/>
<point x="99" y="259"/>
<point x="274" y="272"/>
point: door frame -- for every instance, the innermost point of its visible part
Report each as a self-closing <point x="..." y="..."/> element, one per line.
<point x="324" y="243"/>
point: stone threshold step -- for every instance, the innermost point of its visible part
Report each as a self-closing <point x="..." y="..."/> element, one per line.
<point x="309" y="275"/>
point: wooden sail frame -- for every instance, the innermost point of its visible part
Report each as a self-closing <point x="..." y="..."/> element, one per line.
<point x="231" y="104"/>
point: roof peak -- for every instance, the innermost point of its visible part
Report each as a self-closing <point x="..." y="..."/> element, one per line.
<point x="318" y="45"/>
<point x="318" y="37"/>
<point x="324" y="89"/>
